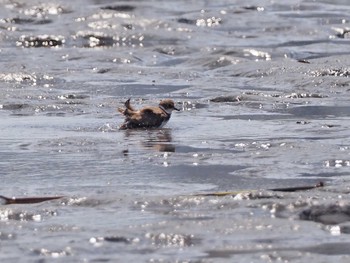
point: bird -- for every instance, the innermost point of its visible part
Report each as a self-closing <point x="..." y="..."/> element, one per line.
<point x="147" y="117"/>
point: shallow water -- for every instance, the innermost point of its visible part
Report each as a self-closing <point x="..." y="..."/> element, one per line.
<point x="264" y="93"/>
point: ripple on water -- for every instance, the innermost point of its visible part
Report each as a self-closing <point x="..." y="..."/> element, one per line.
<point x="73" y="144"/>
<point x="119" y="8"/>
<point x="24" y="215"/>
<point x="53" y="253"/>
<point x="329" y="214"/>
<point x="172" y="240"/>
<point x="98" y="39"/>
<point x="24" y="21"/>
<point x="320" y="111"/>
<point x="41" y="41"/>
<point x="7" y="236"/>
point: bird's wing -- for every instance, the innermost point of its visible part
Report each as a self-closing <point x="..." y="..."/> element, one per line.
<point x="147" y="117"/>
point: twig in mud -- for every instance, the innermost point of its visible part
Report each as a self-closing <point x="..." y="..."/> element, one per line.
<point x="284" y="189"/>
<point x="26" y="200"/>
<point x="297" y="188"/>
<point x="220" y="194"/>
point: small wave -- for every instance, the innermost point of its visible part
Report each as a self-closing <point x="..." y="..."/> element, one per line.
<point x="40" y="41"/>
<point x="119" y="8"/>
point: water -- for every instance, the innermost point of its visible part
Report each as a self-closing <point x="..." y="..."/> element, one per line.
<point x="264" y="91"/>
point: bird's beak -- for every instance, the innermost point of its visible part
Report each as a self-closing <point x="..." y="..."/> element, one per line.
<point x="176" y="109"/>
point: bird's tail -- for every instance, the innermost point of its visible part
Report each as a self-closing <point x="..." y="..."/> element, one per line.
<point x="128" y="105"/>
<point x="129" y="109"/>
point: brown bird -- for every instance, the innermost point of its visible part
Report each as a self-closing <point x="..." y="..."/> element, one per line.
<point x="147" y="117"/>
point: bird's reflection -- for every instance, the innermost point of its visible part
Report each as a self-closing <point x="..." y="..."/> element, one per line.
<point x="157" y="139"/>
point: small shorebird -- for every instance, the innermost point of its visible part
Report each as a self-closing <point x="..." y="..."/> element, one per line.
<point x="147" y="117"/>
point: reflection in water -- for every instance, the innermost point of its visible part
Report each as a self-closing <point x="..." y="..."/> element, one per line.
<point x="157" y="139"/>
